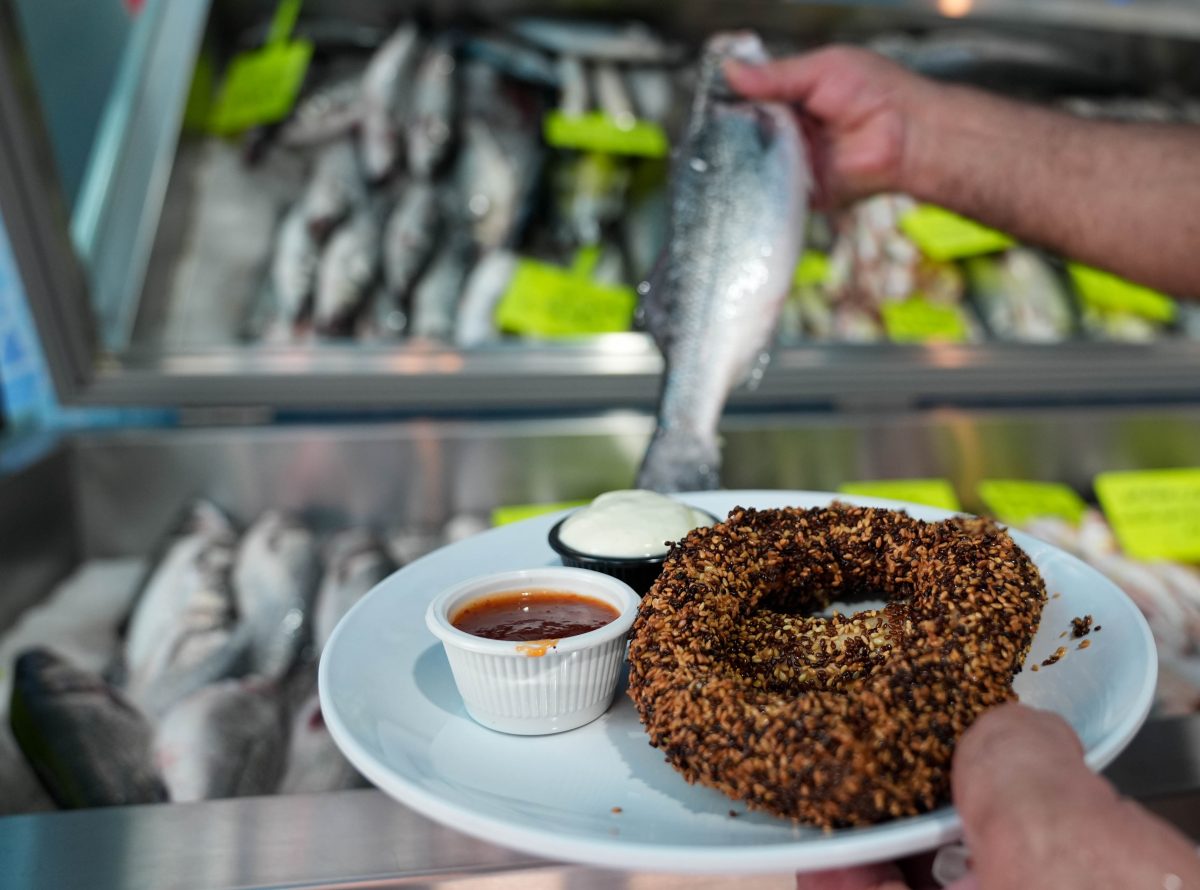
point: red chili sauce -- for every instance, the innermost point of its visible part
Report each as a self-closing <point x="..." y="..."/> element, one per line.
<point x="522" y="615"/>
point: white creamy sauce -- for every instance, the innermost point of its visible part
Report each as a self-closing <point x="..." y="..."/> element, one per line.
<point x="630" y="524"/>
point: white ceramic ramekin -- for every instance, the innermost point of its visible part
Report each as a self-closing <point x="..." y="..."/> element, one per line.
<point x="530" y="689"/>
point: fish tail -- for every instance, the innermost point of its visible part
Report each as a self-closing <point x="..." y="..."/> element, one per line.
<point x="680" y="460"/>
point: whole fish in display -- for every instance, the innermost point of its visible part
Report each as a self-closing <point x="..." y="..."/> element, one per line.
<point x="653" y="92"/>
<point x="435" y="299"/>
<point x="1021" y="298"/>
<point x="574" y="96"/>
<point x="20" y="789"/>
<point x="226" y="740"/>
<point x="612" y="96"/>
<point x="314" y="763"/>
<point x="589" y="193"/>
<point x="180" y="569"/>
<point x="88" y="745"/>
<point x="409" y="543"/>
<point x="201" y="644"/>
<point x="739" y="199"/>
<point x="630" y="42"/>
<point x="1010" y="62"/>
<point x="500" y="157"/>
<point x="347" y="272"/>
<point x="383" y="101"/>
<point x="355" y="562"/>
<point x="275" y="577"/>
<point x="519" y="62"/>
<point x="327" y="113"/>
<point x="433" y="112"/>
<point x="409" y="238"/>
<point x="335" y="189"/>
<point x="485" y="287"/>
<point x="294" y="265"/>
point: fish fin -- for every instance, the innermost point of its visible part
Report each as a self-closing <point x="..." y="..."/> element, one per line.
<point x="680" y="460"/>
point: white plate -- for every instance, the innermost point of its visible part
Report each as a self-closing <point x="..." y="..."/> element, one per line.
<point x="391" y="705"/>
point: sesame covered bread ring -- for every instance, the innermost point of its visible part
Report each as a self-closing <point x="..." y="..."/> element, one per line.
<point x="841" y="721"/>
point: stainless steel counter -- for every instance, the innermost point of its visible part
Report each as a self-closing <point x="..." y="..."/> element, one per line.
<point x="103" y="495"/>
<point x="364" y="839"/>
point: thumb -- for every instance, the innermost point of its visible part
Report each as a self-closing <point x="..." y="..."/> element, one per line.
<point x="1034" y="814"/>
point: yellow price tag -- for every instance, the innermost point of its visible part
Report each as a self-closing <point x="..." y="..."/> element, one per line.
<point x="546" y="301"/>
<point x="812" y="269"/>
<point x="1108" y="293"/>
<point x="519" y="512"/>
<point x="261" y="87"/>
<point x="916" y="320"/>
<point x="595" y="131"/>
<point x="942" y="235"/>
<point x="1016" y="501"/>
<point x="930" y="492"/>
<point x="1154" y="513"/>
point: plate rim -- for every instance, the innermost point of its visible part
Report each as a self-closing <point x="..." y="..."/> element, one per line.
<point x="935" y="828"/>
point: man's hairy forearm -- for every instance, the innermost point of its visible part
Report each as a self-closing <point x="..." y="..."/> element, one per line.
<point x="1122" y="197"/>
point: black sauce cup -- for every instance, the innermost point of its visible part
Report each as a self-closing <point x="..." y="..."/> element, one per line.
<point x="639" y="572"/>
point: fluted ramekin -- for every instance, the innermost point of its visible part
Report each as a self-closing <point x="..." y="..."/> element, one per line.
<point x="535" y="688"/>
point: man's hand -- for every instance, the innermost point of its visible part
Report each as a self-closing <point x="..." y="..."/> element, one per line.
<point x="1120" y="197"/>
<point x="857" y="108"/>
<point x="1034" y="815"/>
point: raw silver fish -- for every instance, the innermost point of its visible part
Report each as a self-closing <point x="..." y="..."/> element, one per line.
<point x="180" y="570"/>
<point x="409" y="543"/>
<point x="383" y="85"/>
<point x="1021" y="298"/>
<point x="610" y="266"/>
<point x="354" y="563"/>
<point x="225" y="740"/>
<point x="499" y="159"/>
<point x="20" y="790"/>
<point x="485" y="286"/>
<point x="346" y="274"/>
<point x="335" y="189"/>
<point x="408" y="239"/>
<point x="517" y="61"/>
<point x="202" y="644"/>
<point x="81" y="619"/>
<point x="88" y="745"/>
<point x="589" y="193"/>
<point x="294" y="265"/>
<point x="740" y="187"/>
<point x="315" y="765"/>
<point x="435" y="299"/>
<point x="624" y="42"/>
<point x="653" y="92"/>
<point x="611" y="94"/>
<point x="434" y="107"/>
<point x="327" y="113"/>
<point x="1008" y="61"/>
<point x="275" y="577"/>
<point x="574" y="96"/>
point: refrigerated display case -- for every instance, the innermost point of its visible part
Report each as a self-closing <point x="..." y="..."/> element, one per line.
<point x="140" y="277"/>
<point x="96" y="498"/>
<point x="101" y="264"/>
